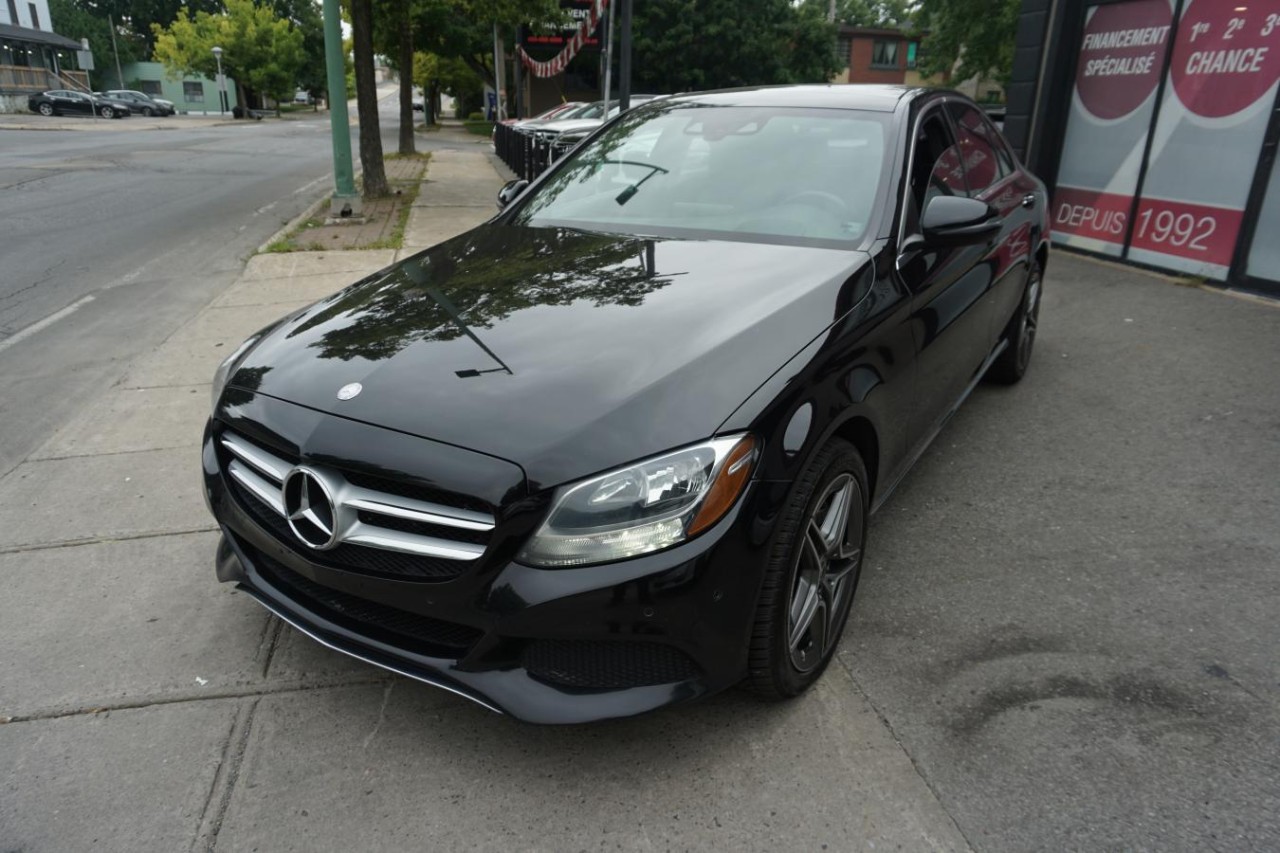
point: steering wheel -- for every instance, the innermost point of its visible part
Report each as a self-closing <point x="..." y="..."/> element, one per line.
<point x="818" y="198"/>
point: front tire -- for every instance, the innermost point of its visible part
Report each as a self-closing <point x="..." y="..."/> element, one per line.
<point x="107" y="112"/>
<point x="1011" y="365"/>
<point x="811" y="575"/>
<point x="45" y="110"/>
<point x="146" y="111"/>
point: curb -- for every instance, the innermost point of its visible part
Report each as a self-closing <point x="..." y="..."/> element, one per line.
<point x="310" y="211"/>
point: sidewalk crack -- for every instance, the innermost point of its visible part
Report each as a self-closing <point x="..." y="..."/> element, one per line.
<point x="224" y="780"/>
<point x="884" y="721"/>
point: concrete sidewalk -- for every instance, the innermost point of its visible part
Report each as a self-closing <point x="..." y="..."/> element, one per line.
<point x="147" y="707"/>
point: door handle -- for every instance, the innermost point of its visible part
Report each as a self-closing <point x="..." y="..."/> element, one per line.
<point x="1029" y="200"/>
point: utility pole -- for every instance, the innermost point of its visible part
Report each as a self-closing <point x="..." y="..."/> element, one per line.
<point x="498" y="74"/>
<point x="119" y="73"/>
<point x="624" y="59"/>
<point x="518" y="70"/>
<point x="608" y="55"/>
<point x="345" y="200"/>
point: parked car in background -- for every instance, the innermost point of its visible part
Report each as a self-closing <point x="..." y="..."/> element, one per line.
<point x="618" y="447"/>
<point x="302" y="96"/>
<point x="140" y="102"/>
<point x="58" y="102"/>
<point x="558" y="111"/>
<point x="564" y="133"/>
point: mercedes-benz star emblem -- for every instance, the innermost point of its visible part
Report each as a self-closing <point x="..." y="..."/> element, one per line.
<point x="346" y="392"/>
<point x="309" y="509"/>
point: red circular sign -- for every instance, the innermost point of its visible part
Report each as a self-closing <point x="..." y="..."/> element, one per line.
<point x="1121" y="56"/>
<point x="1227" y="55"/>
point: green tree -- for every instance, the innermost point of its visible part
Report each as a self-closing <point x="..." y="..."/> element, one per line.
<point x="305" y="17"/>
<point x="259" y="50"/>
<point x="77" y="19"/>
<point x="451" y="76"/>
<point x="375" y="173"/>
<point x="869" y="13"/>
<point x="683" y="45"/>
<point x="976" y="34"/>
<point x="137" y="16"/>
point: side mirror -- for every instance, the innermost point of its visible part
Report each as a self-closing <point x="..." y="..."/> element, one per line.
<point x="950" y="220"/>
<point x="510" y="191"/>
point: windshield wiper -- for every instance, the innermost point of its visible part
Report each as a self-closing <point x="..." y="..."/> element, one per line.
<point x="625" y="195"/>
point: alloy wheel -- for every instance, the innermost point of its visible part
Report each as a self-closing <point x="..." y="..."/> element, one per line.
<point x="46" y="109"/>
<point x="1027" y="325"/>
<point x="828" y="558"/>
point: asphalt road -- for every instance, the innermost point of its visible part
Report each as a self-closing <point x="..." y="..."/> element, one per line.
<point x="112" y="238"/>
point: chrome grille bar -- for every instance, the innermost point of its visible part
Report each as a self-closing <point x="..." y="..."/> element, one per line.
<point x="410" y="543"/>
<point x="268" y="493"/>
<point x="414" y="510"/>
<point x="262" y="474"/>
<point x="272" y="466"/>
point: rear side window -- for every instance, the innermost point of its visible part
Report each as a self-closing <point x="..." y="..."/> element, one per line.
<point x="985" y="160"/>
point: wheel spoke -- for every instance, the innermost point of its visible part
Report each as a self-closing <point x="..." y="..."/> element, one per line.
<point x="836" y="519"/>
<point x="802" y="621"/>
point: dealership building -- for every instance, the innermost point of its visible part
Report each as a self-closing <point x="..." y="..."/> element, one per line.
<point x="1155" y="123"/>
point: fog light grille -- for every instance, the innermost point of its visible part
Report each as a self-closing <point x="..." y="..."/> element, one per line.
<point x="596" y="665"/>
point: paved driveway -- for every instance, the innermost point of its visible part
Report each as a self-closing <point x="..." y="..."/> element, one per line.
<point x="1072" y="615"/>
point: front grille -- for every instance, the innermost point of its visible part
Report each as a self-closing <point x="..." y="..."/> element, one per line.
<point x="368" y="561"/>
<point x="379" y="526"/>
<point x="606" y="664"/>
<point x="436" y="636"/>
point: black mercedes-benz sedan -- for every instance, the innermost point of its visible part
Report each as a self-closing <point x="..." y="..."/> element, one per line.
<point x="617" y="447"/>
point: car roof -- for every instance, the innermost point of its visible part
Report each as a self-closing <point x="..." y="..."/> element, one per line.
<point x="857" y="96"/>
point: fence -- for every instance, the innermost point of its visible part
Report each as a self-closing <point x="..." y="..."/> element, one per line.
<point x="22" y="78"/>
<point x="524" y="154"/>
<point x="33" y="79"/>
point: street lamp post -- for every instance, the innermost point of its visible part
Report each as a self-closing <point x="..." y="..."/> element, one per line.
<point x="222" y="83"/>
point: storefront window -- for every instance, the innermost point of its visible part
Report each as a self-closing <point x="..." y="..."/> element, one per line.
<point x="1121" y="56"/>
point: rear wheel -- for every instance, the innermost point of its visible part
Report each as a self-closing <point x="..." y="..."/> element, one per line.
<point x="812" y="575"/>
<point x="146" y="111"/>
<point x="45" y="109"/>
<point x="1012" y="364"/>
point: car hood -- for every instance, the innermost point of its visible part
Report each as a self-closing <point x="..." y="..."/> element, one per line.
<point x="563" y="351"/>
<point x="571" y="124"/>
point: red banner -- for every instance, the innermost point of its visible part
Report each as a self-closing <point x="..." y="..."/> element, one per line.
<point x="1090" y="213"/>
<point x="1199" y="232"/>
<point x="552" y="67"/>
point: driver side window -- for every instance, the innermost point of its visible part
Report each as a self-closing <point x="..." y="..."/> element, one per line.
<point x="936" y="168"/>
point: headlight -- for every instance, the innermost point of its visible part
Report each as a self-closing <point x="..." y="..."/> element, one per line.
<point x="223" y="373"/>
<point x="644" y="507"/>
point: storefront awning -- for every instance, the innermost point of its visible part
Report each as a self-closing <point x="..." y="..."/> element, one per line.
<point x="9" y="31"/>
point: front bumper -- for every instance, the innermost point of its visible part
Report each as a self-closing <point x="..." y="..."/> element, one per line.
<point x="545" y="646"/>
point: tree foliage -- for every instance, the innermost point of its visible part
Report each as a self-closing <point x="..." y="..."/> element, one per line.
<point x="78" y="19"/>
<point x="305" y="17"/>
<point x="872" y="13"/>
<point x="137" y="16"/>
<point x="684" y="45"/>
<point x="259" y="50"/>
<point x="978" y="34"/>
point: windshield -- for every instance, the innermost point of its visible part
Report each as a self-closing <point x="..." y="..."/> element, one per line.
<point x="750" y="171"/>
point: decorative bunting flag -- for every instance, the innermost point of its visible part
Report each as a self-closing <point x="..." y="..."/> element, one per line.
<point x="552" y="67"/>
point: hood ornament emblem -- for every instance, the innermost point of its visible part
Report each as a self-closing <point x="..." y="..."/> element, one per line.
<point x="346" y="392"/>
